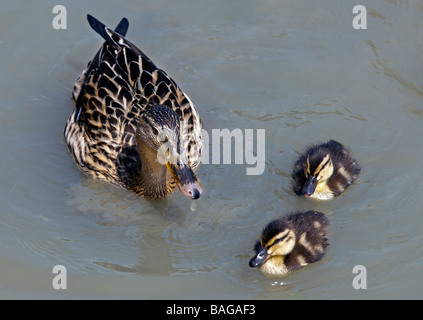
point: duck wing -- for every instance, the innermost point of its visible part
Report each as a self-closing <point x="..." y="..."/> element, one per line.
<point x="119" y="83"/>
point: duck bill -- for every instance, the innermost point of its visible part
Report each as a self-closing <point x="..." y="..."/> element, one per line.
<point x="310" y="186"/>
<point x="186" y="180"/>
<point x="259" y="258"/>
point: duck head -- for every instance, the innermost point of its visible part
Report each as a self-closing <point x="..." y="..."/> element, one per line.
<point x="159" y="130"/>
<point x="275" y="240"/>
<point x="318" y="169"/>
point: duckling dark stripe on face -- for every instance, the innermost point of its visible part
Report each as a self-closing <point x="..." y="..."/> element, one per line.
<point x="278" y="237"/>
<point x="322" y="164"/>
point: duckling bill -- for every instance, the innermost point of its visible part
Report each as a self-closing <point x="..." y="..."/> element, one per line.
<point x="324" y="171"/>
<point x="291" y="242"/>
<point x="132" y="124"/>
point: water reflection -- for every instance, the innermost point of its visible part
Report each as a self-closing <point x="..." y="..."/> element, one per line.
<point x="299" y="71"/>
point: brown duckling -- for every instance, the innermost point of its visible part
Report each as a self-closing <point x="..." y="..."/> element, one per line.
<point x="291" y="242"/>
<point x="324" y="171"/>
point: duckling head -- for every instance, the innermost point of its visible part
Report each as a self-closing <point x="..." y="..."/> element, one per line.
<point x="318" y="169"/>
<point x="159" y="131"/>
<point x="276" y="241"/>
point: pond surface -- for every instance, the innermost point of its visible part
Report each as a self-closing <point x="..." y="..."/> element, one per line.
<point x="298" y="70"/>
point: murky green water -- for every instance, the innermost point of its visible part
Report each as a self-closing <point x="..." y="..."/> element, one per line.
<point x="297" y="69"/>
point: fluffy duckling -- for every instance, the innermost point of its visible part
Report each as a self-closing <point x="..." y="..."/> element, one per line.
<point x="324" y="171"/>
<point x="291" y="242"/>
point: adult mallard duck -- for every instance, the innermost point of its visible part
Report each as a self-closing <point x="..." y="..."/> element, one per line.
<point x="291" y="242"/>
<point x="324" y="171"/>
<point x="132" y="125"/>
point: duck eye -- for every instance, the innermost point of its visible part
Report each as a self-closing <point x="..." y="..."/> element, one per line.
<point x="326" y="163"/>
<point x="155" y="131"/>
<point x="280" y="239"/>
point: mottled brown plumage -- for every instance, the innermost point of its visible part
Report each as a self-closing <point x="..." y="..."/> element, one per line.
<point x="126" y="111"/>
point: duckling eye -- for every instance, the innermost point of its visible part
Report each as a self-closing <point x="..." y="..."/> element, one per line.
<point x="155" y="131"/>
<point x="280" y="239"/>
<point x="325" y="165"/>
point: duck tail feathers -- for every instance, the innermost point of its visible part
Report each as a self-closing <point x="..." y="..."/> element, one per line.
<point x="122" y="27"/>
<point x="102" y="30"/>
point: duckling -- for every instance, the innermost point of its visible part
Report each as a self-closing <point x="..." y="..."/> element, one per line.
<point x="132" y="125"/>
<point x="324" y="171"/>
<point x="291" y="242"/>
